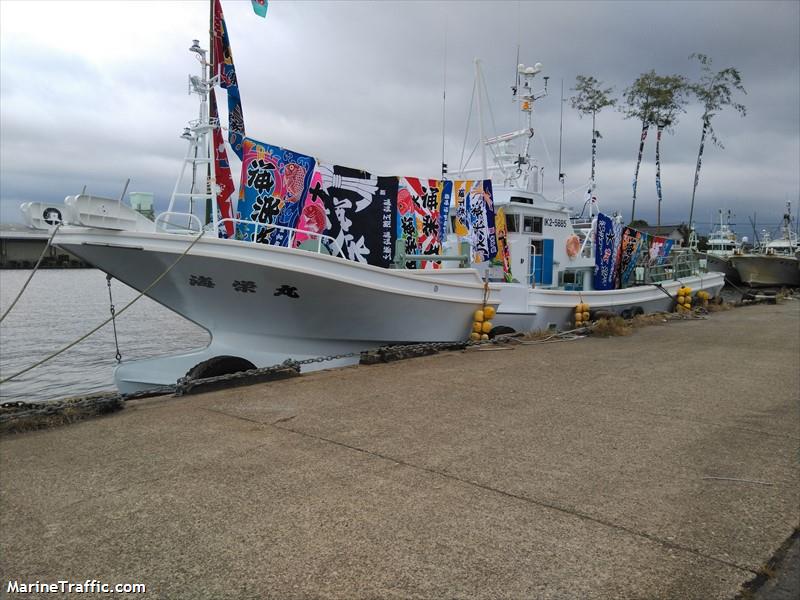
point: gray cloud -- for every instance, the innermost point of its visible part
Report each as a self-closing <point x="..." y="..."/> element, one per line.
<point x="360" y="83"/>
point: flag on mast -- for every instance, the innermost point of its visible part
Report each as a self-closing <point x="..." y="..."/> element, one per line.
<point x="222" y="173"/>
<point x="223" y="66"/>
<point x="260" y="7"/>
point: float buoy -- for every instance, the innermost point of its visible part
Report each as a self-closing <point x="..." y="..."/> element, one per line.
<point x="573" y="246"/>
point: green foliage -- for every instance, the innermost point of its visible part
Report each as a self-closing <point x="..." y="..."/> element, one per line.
<point x="591" y="98"/>
<point x="657" y="99"/>
<point x="636" y="223"/>
<point x="715" y="91"/>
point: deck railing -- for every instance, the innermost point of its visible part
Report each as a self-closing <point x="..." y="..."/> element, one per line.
<point x="188" y="223"/>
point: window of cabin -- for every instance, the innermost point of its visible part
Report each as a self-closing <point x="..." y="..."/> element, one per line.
<point x="512" y="223"/>
<point x="532" y="225"/>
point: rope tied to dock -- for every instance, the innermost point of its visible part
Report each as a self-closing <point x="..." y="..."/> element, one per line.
<point x="109" y="319"/>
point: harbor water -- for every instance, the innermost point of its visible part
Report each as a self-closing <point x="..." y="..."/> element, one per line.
<point x="59" y="306"/>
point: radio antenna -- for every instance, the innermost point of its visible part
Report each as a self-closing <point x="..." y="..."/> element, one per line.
<point x="561" y="175"/>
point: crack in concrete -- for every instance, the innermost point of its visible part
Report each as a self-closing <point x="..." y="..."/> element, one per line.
<point x="529" y="500"/>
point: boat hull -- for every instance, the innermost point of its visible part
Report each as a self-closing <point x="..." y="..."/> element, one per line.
<point x="767" y="270"/>
<point x="722" y="264"/>
<point x="555" y="309"/>
<point x="266" y="304"/>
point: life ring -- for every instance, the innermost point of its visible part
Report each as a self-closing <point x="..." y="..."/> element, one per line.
<point x="573" y="246"/>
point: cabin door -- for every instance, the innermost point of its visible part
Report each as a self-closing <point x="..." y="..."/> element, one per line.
<point x="541" y="262"/>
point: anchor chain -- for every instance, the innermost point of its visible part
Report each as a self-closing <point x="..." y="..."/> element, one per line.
<point x="113" y="311"/>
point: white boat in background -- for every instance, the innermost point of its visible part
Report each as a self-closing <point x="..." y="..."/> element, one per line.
<point x="266" y="302"/>
<point x="776" y="262"/>
<point x="722" y="245"/>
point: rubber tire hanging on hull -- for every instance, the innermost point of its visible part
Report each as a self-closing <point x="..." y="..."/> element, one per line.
<point x="219" y="365"/>
<point x="501" y="330"/>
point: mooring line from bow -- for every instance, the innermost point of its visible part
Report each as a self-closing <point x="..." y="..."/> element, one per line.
<point x="109" y="319"/>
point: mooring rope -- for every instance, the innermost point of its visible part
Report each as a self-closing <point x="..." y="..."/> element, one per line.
<point x="104" y="323"/>
<point x="35" y="268"/>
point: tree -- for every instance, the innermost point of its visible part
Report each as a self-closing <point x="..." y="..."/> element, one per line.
<point x="715" y="92"/>
<point x="654" y="100"/>
<point x="590" y="99"/>
<point x="638" y="224"/>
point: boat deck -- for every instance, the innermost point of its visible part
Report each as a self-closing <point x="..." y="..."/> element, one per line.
<point x="674" y="474"/>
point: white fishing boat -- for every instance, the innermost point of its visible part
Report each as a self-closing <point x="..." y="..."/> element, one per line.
<point x="722" y="245"/>
<point x="266" y="291"/>
<point x="776" y="262"/>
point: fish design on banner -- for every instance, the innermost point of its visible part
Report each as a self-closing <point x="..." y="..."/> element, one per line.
<point x="630" y="248"/>
<point x="360" y="211"/>
<point x="659" y="249"/>
<point x="475" y="217"/>
<point x="503" y="256"/>
<point x="419" y="208"/>
<point x="604" y="244"/>
<point x="272" y="191"/>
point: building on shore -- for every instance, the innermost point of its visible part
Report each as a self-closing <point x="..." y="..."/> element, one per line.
<point x="21" y="246"/>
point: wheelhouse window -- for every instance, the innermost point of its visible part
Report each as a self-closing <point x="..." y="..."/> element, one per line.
<point x="512" y="223"/>
<point x="532" y="225"/>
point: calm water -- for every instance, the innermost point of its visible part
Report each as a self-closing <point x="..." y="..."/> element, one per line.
<point x="61" y="305"/>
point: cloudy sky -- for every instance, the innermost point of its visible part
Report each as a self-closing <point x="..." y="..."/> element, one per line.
<point x="95" y="92"/>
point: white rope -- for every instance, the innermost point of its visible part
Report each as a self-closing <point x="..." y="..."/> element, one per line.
<point x="35" y="268"/>
<point x="124" y="308"/>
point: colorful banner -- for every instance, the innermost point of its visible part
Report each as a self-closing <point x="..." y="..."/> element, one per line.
<point x="274" y="185"/>
<point x="604" y="255"/>
<point x="658" y="170"/>
<point x="475" y="217"/>
<point x="222" y="59"/>
<point x="222" y="175"/>
<point x="503" y="256"/>
<point x="645" y="128"/>
<point x="260" y="7"/>
<point x="659" y="249"/>
<point x="461" y="203"/>
<point x="630" y="249"/>
<point x="419" y="203"/>
<point x="360" y="212"/>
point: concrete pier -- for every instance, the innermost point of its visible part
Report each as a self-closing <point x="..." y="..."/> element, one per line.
<point x="659" y="465"/>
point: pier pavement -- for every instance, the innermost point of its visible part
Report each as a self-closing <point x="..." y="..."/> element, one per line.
<point x="659" y="465"/>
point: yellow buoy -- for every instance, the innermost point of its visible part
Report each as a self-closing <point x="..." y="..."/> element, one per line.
<point x="477" y="326"/>
<point x="474" y="336"/>
<point x="586" y="315"/>
<point x="484" y="336"/>
<point x="478" y="316"/>
<point x="486" y="326"/>
<point x="489" y="312"/>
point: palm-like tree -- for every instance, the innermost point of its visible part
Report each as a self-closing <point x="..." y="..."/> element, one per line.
<point x="715" y="92"/>
<point x="654" y="100"/>
<point x="590" y="99"/>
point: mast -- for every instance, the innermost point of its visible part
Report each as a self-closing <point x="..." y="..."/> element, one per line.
<point x="212" y="155"/>
<point x="478" y="80"/>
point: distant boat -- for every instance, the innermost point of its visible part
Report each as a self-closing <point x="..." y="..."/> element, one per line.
<point x="722" y="245"/>
<point x="775" y="263"/>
